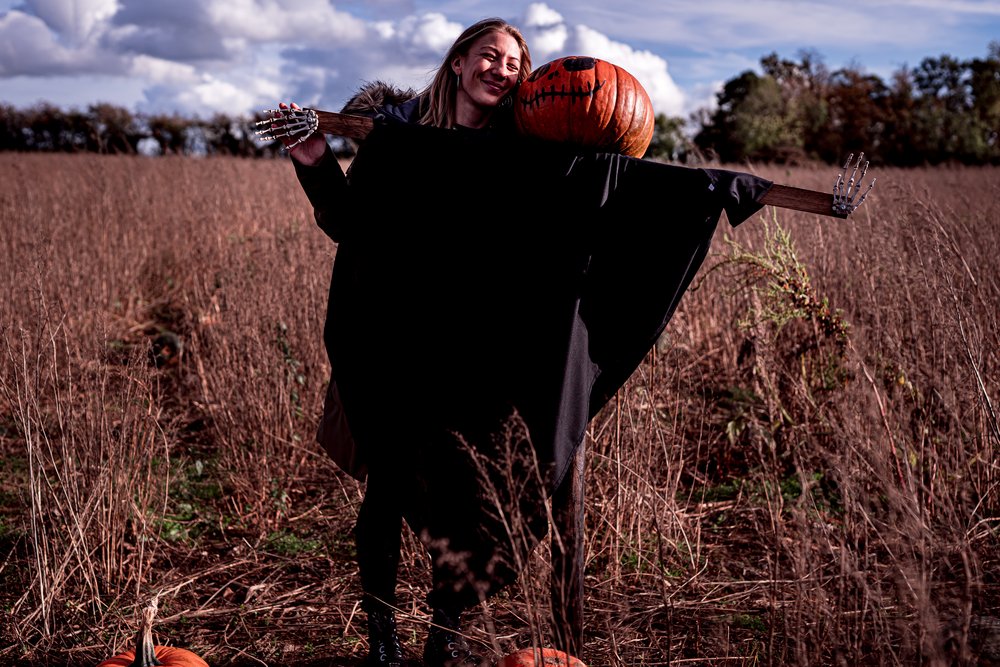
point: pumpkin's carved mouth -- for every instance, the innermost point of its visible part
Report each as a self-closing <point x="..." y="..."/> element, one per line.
<point x="573" y="94"/>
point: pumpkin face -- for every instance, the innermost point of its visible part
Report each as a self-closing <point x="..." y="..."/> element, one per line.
<point x="539" y="657"/>
<point x="168" y="656"/>
<point x="588" y="102"/>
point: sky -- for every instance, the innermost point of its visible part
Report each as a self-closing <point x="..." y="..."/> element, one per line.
<point x="197" y="58"/>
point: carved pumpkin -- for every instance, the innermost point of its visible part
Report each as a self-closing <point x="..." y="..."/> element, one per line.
<point x="588" y="102"/>
<point x="539" y="657"/>
<point x="146" y="655"/>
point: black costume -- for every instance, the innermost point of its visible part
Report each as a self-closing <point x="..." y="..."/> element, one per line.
<point x="480" y="276"/>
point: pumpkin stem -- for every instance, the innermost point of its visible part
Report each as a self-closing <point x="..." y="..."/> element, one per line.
<point x="145" y="652"/>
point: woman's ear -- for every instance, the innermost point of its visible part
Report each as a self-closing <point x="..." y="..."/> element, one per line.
<point x="456" y="66"/>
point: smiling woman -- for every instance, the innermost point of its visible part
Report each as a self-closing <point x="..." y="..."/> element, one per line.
<point x="471" y="93"/>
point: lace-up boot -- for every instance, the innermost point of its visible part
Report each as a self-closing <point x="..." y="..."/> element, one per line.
<point x="384" y="649"/>
<point x="446" y="647"/>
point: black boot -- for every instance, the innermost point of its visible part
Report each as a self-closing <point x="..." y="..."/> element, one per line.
<point x="446" y="647"/>
<point x="384" y="649"/>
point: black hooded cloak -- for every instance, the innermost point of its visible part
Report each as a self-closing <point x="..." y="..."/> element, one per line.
<point x="481" y="277"/>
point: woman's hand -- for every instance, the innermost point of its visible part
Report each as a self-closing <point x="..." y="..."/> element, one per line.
<point x="307" y="152"/>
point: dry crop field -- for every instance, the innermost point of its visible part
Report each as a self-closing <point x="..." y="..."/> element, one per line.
<point x="803" y="472"/>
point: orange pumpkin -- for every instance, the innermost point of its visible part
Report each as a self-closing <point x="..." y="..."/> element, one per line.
<point x="150" y="655"/>
<point x="588" y="102"/>
<point x="539" y="657"/>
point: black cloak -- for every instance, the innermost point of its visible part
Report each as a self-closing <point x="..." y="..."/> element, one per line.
<point x="480" y="276"/>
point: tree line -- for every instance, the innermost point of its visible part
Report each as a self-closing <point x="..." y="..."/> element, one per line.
<point x="943" y="110"/>
<point x="106" y="128"/>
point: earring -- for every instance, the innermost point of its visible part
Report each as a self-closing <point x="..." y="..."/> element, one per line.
<point x="458" y="79"/>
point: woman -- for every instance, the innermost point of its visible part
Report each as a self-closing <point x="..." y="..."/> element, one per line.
<point x="472" y="91"/>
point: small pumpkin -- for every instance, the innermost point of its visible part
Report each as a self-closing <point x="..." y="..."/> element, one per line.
<point x="588" y="102"/>
<point x="145" y="654"/>
<point x="539" y="657"/>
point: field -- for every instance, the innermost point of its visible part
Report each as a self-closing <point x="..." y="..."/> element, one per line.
<point x="804" y="471"/>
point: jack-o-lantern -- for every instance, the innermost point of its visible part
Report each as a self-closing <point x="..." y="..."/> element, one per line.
<point x="587" y="102"/>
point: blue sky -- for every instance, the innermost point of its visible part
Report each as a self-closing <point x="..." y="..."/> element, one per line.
<point x="201" y="57"/>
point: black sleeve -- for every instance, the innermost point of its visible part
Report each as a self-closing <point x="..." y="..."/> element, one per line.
<point x="325" y="184"/>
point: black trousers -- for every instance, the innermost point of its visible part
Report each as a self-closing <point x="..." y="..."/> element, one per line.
<point x="377" y="534"/>
<point x="477" y="529"/>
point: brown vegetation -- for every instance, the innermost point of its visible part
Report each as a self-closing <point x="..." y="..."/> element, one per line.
<point x="804" y="471"/>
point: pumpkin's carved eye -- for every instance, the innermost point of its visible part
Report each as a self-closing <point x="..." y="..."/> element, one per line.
<point x="540" y="72"/>
<point x="587" y="102"/>
<point x="579" y="64"/>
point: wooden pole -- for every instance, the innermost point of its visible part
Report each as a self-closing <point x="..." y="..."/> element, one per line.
<point x="567" y="558"/>
<point x="799" y="199"/>
<point x="782" y="196"/>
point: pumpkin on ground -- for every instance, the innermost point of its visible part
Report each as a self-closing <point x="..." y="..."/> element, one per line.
<point x="540" y="657"/>
<point x="588" y="102"/>
<point x="145" y="654"/>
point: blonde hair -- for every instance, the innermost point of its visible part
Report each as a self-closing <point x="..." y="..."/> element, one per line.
<point x="439" y="97"/>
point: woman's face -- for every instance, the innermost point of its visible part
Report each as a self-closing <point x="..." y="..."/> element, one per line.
<point x="487" y="72"/>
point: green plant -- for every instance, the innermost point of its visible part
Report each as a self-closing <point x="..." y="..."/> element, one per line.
<point x="290" y="544"/>
<point x="783" y="286"/>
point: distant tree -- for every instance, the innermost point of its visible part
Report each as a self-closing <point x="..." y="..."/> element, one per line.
<point x="984" y="82"/>
<point x="858" y="105"/>
<point x="899" y="136"/>
<point x="955" y="114"/>
<point x="13" y="136"/>
<point x="169" y="132"/>
<point x="776" y="116"/>
<point x="82" y="135"/>
<point x="944" y="109"/>
<point x="668" y="142"/>
<point x="219" y="138"/>
<point x="805" y="87"/>
<point x="45" y="128"/>
<point x="718" y="135"/>
<point x="228" y="135"/>
<point x="768" y="123"/>
<point x="753" y="121"/>
<point x="117" y="128"/>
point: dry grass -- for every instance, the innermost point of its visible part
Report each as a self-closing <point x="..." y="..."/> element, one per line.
<point x="803" y="472"/>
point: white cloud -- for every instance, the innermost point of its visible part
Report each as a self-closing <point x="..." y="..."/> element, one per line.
<point x="205" y="98"/>
<point x="76" y="21"/>
<point x="29" y="47"/>
<point x="540" y="15"/>
<point x="703" y="96"/>
<point x="546" y="40"/>
<point x="159" y="71"/>
<point x="766" y="24"/>
<point x="427" y="35"/>
<point x="304" y="21"/>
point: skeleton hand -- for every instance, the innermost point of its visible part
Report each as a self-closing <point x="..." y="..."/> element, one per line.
<point x="292" y="125"/>
<point x="845" y="195"/>
<point x="296" y="128"/>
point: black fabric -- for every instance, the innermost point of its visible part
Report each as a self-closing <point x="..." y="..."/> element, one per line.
<point x="481" y="276"/>
<point x="378" y="539"/>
